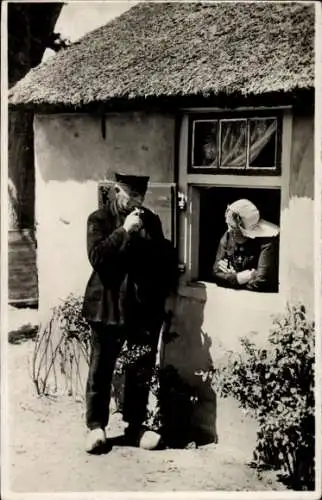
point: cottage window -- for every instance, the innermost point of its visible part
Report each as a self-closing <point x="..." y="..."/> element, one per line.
<point x="224" y="157"/>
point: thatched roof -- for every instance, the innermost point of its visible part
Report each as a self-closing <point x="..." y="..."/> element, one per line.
<point x="180" y="49"/>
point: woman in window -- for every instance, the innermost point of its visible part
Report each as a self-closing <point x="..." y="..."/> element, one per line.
<point x="247" y="257"/>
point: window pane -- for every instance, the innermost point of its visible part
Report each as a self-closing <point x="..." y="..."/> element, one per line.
<point x="262" y="143"/>
<point x="233" y="143"/>
<point x="205" y="144"/>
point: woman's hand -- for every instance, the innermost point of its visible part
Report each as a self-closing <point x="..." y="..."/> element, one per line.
<point x="224" y="266"/>
<point x="245" y="276"/>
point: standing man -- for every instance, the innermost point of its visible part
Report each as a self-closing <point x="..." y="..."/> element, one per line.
<point x="124" y="301"/>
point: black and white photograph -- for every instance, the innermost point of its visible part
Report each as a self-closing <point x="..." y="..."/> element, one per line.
<point x="161" y="249"/>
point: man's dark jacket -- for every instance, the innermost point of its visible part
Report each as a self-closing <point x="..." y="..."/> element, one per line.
<point x="132" y="272"/>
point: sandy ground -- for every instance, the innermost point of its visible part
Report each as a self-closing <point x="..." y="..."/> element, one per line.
<point x="46" y="440"/>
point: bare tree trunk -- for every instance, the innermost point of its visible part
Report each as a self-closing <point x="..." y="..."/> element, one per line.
<point x="30" y="27"/>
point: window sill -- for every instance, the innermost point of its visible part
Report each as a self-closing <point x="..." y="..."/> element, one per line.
<point x="203" y="290"/>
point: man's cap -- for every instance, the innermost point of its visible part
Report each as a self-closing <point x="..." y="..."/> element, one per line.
<point x="136" y="183"/>
<point x="249" y="220"/>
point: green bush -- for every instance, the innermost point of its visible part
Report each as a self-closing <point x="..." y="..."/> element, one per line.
<point x="276" y="385"/>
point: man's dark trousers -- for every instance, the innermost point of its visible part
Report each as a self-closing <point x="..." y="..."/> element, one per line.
<point x="106" y="344"/>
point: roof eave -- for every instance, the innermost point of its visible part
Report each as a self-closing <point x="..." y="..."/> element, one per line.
<point x="296" y="97"/>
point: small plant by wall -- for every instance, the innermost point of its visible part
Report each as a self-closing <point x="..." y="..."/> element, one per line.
<point x="276" y="385"/>
<point x="61" y="353"/>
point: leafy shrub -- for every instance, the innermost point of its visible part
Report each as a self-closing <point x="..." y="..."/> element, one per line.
<point x="277" y="386"/>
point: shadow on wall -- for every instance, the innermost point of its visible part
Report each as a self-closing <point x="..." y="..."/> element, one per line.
<point x="187" y="400"/>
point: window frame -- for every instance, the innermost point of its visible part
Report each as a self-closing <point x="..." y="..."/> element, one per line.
<point x="189" y="182"/>
<point x="235" y="116"/>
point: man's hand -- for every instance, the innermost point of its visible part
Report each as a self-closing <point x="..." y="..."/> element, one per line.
<point x="224" y="267"/>
<point x="133" y="221"/>
<point x="245" y="276"/>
